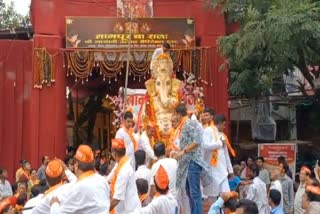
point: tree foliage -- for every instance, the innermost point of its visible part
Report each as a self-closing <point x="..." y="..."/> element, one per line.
<point x="274" y="36"/>
<point x="9" y="18"/>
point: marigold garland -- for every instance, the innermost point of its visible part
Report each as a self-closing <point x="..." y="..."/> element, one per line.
<point x="110" y="68"/>
<point x="43" y="67"/>
<point x="80" y="63"/>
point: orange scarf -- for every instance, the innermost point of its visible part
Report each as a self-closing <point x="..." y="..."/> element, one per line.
<point x="52" y="188"/>
<point x="215" y="152"/>
<point x="180" y="127"/>
<point x="122" y="162"/>
<point x="151" y="141"/>
<point x="172" y="140"/>
<point x="143" y="197"/>
<point x="18" y="208"/>
<point x="26" y="174"/>
<point x="34" y="181"/>
<point x="86" y="175"/>
<point x="177" y="133"/>
<point x="231" y="150"/>
<point x="133" y="140"/>
<point x="157" y="195"/>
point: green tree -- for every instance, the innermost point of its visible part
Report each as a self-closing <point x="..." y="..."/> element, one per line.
<point x="273" y="36"/>
<point x="9" y="18"/>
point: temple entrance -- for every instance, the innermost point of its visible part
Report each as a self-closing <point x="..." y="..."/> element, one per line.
<point x="90" y="110"/>
<point x="95" y="77"/>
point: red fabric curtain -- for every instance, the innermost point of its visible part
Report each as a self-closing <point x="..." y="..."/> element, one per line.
<point x="15" y="96"/>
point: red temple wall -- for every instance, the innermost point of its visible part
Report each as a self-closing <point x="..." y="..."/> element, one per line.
<point x="36" y="126"/>
<point x="16" y="102"/>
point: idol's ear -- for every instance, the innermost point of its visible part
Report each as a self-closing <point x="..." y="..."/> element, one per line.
<point x="150" y="85"/>
<point x="175" y="86"/>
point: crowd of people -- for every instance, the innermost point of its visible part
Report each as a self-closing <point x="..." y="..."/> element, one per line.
<point x="141" y="175"/>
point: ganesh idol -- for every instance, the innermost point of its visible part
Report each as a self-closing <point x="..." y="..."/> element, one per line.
<point x="163" y="90"/>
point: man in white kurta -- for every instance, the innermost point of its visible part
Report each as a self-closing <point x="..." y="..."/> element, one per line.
<point x="33" y="202"/>
<point x="258" y="193"/>
<point x="124" y="191"/>
<point x="213" y="139"/>
<point x="169" y="164"/>
<point x="90" y="194"/>
<point x="275" y="182"/>
<point x="54" y="170"/>
<point x="126" y="134"/>
<point x="142" y="170"/>
<point x="146" y="142"/>
<point x="161" y="204"/>
<point x="163" y="201"/>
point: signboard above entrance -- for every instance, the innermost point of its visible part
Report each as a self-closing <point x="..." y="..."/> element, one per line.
<point x="103" y="32"/>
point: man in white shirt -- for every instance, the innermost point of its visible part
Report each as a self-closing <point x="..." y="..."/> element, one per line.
<point x="304" y="176"/>
<point x="37" y="192"/>
<point x="275" y="182"/>
<point x="264" y="174"/>
<point x="174" y="141"/>
<point x="54" y="173"/>
<point x="124" y="192"/>
<point x="146" y="142"/>
<point x="142" y="170"/>
<point x="258" y="193"/>
<point x="126" y="134"/>
<point x="90" y="194"/>
<point x="163" y="49"/>
<point x="163" y="201"/>
<point x="5" y="187"/>
<point x="143" y="189"/>
<point x="217" y="155"/>
<point x="169" y="164"/>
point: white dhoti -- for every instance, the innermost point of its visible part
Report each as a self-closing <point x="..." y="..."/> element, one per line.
<point x="217" y="187"/>
<point x="183" y="202"/>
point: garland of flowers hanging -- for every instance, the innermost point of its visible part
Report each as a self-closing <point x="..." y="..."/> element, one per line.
<point x="118" y="103"/>
<point x="192" y="91"/>
<point x="110" y="68"/>
<point x="150" y="116"/>
<point x="139" y="67"/>
<point x="176" y="58"/>
<point x="111" y="63"/>
<point x="80" y="64"/>
<point x="43" y="68"/>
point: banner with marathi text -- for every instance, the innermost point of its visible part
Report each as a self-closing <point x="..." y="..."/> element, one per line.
<point x="136" y="98"/>
<point x="103" y="32"/>
<point x="272" y="151"/>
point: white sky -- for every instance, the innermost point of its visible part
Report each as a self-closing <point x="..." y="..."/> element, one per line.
<point x="21" y="6"/>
